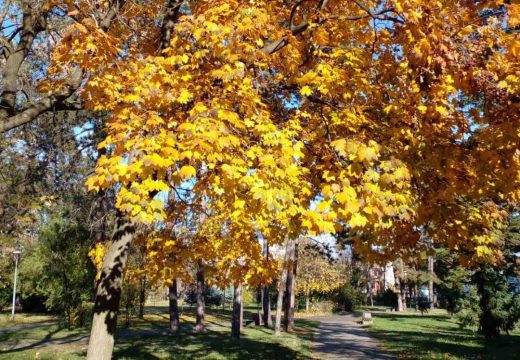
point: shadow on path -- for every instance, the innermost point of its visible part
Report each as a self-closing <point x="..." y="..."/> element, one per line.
<point x="341" y="337"/>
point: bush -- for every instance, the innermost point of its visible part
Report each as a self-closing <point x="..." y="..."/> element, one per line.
<point x="212" y="295"/>
<point x="34" y="303"/>
<point x="324" y="306"/>
<point x="5" y="297"/>
<point x="469" y="315"/>
<point x="467" y="318"/>
<point x="388" y="298"/>
<point x="348" y="298"/>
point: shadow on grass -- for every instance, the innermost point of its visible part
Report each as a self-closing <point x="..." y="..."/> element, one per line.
<point x="206" y="345"/>
<point x="255" y="343"/>
<point x="49" y="338"/>
<point x="435" y="336"/>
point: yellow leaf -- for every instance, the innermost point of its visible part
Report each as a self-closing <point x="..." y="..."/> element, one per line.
<point x="187" y="172"/>
<point x="306" y="91"/>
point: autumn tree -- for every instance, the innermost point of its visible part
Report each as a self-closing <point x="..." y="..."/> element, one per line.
<point x="396" y="115"/>
<point x="317" y="272"/>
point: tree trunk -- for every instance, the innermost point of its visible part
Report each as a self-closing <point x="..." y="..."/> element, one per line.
<point x="108" y="292"/>
<point x="403" y="293"/>
<point x="224" y="300"/>
<point x="266" y="301"/>
<point x="399" y="294"/>
<point x="281" y="290"/>
<point x="290" y="298"/>
<point x="370" y="286"/>
<point x="431" y="295"/>
<point x="142" y="297"/>
<point x="199" y="325"/>
<point x="259" y="302"/>
<point x="241" y="309"/>
<point x="236" y="319"/>
<point x="307" y="302"/>
<point x="173" y="297"/>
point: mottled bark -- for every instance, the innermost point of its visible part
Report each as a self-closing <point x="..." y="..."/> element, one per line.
<point x="108" y="292"/>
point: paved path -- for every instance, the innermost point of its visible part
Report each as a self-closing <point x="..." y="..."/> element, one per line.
<point x="341" y="337"/>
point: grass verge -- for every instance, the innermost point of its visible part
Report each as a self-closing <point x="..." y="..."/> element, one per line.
<point x="437" y="336"/>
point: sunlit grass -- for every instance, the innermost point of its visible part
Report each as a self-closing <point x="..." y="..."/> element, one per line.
<point x="437" y="336"/>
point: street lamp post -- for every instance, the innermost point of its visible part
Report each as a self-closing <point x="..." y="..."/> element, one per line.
<point x="16" y="254"/>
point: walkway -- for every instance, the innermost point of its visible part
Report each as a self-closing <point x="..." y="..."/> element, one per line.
<point x="341" y="337"/>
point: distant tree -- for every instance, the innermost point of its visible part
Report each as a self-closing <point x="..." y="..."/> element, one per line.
<point x="500" y="307"/>
<point x="469" y="313"/>
<point x="58" y="269"/>
<point x="452" y="278"/>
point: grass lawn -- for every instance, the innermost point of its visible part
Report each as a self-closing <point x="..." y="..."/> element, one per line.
<point x="436" y="336"/>
<point x="41" y="337"/>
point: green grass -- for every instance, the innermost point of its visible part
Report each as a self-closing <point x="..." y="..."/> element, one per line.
<point x="42" y="337"/>
<point x="437" y="336"/>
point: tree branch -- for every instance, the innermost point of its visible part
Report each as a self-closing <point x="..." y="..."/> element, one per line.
<point x="171" y="16"/>
<point x="32" y="24"/>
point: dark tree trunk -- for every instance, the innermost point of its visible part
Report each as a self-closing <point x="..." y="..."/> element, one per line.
<point x="108" y="292"/>
<point x="199" y="325"/>
<point x="266" y="307"/>
<point x="281" y="291"/>
<point x="236" y="320"/>
<point x="173" y="297"/>
<point x="290" y="298"/>
<point x="142" y="297"/>
<point x="489" y="326"/>
<point x="430" y="282"/>
<point x="266" y="301"/>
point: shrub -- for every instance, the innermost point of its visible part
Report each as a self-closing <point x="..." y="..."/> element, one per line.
<point x="5" y="297"/>
<point x="212" y="295"/>
<point x="348" y="298"/>
<point x="467" y="318"/>
<point x="469" y="315"/>
<point x="388" y="298"/>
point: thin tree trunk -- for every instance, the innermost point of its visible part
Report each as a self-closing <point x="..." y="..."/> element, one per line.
<point x="224" y="300"/>
<point x="236" y="319"/>
<point x="291" y="287"/>
<point x="289" y="296"/>
<point x="281" y="290"/>
<point x="307" y="302"/>
<point x="241" y="309"/>
<point x="266" y="301"/>
<point x="173" y="297"/>
<point x="199" y="325"/>
<point x="108" y="292"/>
<point x="431" y="295"/>
<point x="259" y="302"/>
<point x="142" y="297"/>
<point x="370" y="286"/>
